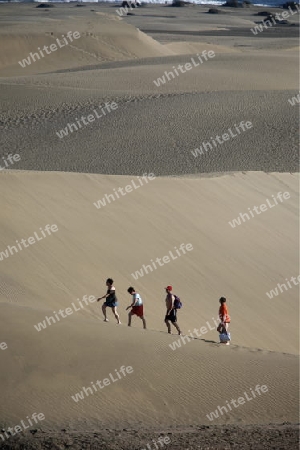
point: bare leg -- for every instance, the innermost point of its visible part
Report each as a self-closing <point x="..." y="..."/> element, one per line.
<point x="115" y="313"/>
<point x="177" y="327"/>
<point x="144" y="322"/>
<point x="129" y="319"/>
<point x="226" y="328"/>
<point x="168" y="325"/>
<point x="104" y="312"/>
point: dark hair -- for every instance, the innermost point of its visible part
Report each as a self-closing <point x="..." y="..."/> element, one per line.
<point x="109" y="281"/>
<point x="222" y="300"/>
<point x="131" y="290"/>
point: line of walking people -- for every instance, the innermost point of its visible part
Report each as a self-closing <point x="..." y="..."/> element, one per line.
<point x="173" y="303"/>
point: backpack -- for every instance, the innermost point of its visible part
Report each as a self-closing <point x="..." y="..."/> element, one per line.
<point x="177" y="302"/>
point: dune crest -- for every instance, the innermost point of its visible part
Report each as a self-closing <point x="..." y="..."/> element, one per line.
<point x="104" y="38"/>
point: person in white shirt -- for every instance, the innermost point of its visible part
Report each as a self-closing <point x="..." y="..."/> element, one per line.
<point x="137" y="307"/>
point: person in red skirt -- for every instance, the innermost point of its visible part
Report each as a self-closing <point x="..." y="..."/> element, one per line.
<point x="136" y="306"/>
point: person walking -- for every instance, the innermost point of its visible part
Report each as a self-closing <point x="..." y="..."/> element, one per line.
<point x="111" y="300"/>
<point x="137" y="307"/>
<point x="171" y="314"/>
<point x="224" y="320"/>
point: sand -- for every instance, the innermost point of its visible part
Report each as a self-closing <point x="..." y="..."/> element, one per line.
<point x="188" y="200"/>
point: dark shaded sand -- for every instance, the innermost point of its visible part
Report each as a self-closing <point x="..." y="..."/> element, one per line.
<point x="278" y="31"/>
<point x="250" y="437"/>
<point x="154" y="129"/>
<point x="125" y="143"/>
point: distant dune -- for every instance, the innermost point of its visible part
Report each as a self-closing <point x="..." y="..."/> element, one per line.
<point x="108" y="39"/>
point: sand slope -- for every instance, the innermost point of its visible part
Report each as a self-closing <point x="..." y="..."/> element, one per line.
<point x="91" y="244"/>
<point x="105" y="37"/>
<point x="172" y="119"/>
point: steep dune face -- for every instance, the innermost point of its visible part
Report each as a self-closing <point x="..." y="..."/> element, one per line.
<point x="102" y="38"/>
<point x="118" y="237"/>
<point x="243" y="263"/>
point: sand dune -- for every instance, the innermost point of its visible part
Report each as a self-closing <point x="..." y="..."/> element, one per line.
<point x="104" y="38"/>
<point x="175" y="383"/>
<point x="193" y="107"/>
<point x="239" y="83"/>
<point x="92" y="243"/>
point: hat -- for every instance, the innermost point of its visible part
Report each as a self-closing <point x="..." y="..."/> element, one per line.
<point x="169" y="288"/>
